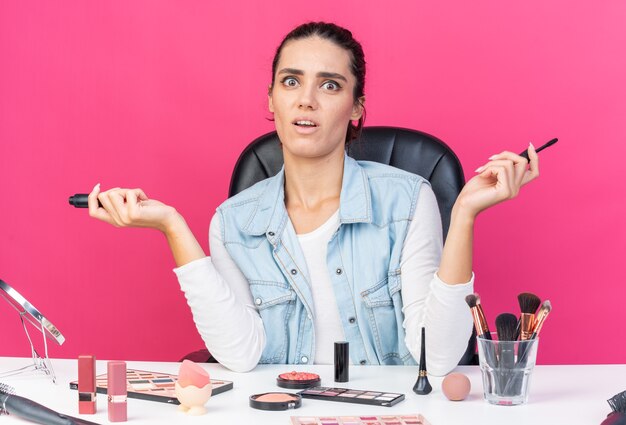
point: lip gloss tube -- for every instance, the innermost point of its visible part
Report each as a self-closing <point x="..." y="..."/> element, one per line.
<point x="116" y="391"/>
<point x="86" y="385"/>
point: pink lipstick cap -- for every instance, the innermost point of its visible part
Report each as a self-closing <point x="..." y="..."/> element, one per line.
<point x="86" y="385"/>
<point x="116" y="391"/>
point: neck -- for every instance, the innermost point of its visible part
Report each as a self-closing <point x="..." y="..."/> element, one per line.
<point x="312" y="182"/>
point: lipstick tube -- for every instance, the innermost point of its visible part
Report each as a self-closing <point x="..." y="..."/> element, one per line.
<point x="86" y="385"/>
<point x="116" y="392"/>
<point x="342" y="361"/>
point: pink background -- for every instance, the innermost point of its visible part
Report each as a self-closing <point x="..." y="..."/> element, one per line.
<point x="164" y="95"/>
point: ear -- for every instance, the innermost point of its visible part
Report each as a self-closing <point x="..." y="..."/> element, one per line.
<point x="357" y="109"/>
<point x="270" y="103"/>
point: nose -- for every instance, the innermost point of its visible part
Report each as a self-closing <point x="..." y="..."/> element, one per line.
<point x="307" y="98"/>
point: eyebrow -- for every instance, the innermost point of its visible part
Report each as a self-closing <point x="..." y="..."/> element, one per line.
<point x="319" y="74"/>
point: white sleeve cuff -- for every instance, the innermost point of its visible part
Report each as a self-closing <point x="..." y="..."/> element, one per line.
<point x="193" y="268"/>
<point x="455" y="287"/>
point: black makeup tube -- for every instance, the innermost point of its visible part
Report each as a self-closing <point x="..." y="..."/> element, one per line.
<point x="342" y="361"/>
<point x="540" y="148"/>
<point x="80" y="200"/>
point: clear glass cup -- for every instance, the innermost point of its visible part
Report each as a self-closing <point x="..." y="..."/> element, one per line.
<point x="506" y="367"/>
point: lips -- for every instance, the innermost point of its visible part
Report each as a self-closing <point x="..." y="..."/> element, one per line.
<point x="305" y="123"/>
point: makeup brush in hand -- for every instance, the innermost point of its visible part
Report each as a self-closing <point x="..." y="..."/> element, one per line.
<point x="618" y="415"/>
<point x="29" y="410"/>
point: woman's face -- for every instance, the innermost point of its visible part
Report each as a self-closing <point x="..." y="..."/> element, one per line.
<point x="312" y="98"/>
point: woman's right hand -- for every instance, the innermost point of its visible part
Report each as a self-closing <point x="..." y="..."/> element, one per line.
<point x="130" y="208"/>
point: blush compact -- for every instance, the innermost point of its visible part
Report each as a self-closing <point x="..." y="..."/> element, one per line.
<point x="298" y="380"/>
<point x="275" y="401"/>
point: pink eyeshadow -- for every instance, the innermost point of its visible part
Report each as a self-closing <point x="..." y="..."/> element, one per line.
<point x="165" y="385"/>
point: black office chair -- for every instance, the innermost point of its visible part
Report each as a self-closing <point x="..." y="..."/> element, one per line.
<point x="409" y="150"/>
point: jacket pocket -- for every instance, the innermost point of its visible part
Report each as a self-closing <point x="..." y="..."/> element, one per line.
<point x="275" y="302"/>
<point x="383" y="320"/>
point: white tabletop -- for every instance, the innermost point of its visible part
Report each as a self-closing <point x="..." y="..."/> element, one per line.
<point x="558" y="394"/>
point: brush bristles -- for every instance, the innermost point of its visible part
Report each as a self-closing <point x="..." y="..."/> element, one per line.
<point x="546" y="306"/>
<point x="618" y="402"/>
<point x="472" y="300"/>
<point x="528" y="303"/>
<point x="6" y="389"/>
<point x="506" y="325"/>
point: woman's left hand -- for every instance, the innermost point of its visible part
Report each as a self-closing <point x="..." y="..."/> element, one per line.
<point x="498" y="180"/>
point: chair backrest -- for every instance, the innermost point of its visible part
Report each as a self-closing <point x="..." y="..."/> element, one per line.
<point x="409" y="150"/>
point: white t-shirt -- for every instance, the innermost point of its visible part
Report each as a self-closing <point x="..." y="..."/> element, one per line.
<point x="224" y="312"/>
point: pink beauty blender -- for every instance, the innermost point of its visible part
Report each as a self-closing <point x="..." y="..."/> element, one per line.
<point x="456" y="386"/>
<point x="192" y="374"/>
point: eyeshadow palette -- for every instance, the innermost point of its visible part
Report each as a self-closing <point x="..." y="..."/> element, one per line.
<point x="153" y="386"/>
<point x="347" y="395"/>
<point x="360" y="420"/>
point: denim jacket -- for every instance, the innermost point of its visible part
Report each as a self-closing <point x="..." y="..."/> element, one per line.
<point x="377" y="203"/>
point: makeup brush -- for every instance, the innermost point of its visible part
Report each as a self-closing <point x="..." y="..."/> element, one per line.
<point x="29" y="410"/>
<point x="482" y="330"/>
<point x="480" y="323"/>
<point x="618" y="405"/>
<point x="506" y="325"/>
<point x="545" y="309"/>
<point x="528" y="304"/>
<point x="422" y="386"/>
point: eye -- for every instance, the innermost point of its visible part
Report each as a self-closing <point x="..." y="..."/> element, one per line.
<point x="289" y="82"/>
<point x="331" y="85"/>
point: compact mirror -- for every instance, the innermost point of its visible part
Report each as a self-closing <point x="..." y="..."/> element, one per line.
<point x="30" y="313"/>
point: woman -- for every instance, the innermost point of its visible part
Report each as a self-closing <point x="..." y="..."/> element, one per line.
<point x="330" y="248"/>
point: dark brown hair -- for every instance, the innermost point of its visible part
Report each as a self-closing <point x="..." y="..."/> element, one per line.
<point x="342" y="38"/>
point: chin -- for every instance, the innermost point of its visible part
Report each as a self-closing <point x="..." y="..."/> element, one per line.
<point x="309" y="146"/>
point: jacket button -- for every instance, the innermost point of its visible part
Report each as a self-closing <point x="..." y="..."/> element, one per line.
<point x="271" y="233"/>
<point x="294" y="272"/>
<point x="352" y="320"/>
<point x="258" y="301"/>
<point x="304" y="359"/>
<point x="363" y="362"/>
<point x="338" y="271"/>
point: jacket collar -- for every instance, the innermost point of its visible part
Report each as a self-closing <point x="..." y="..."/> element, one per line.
<point x="270" y="216"/>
